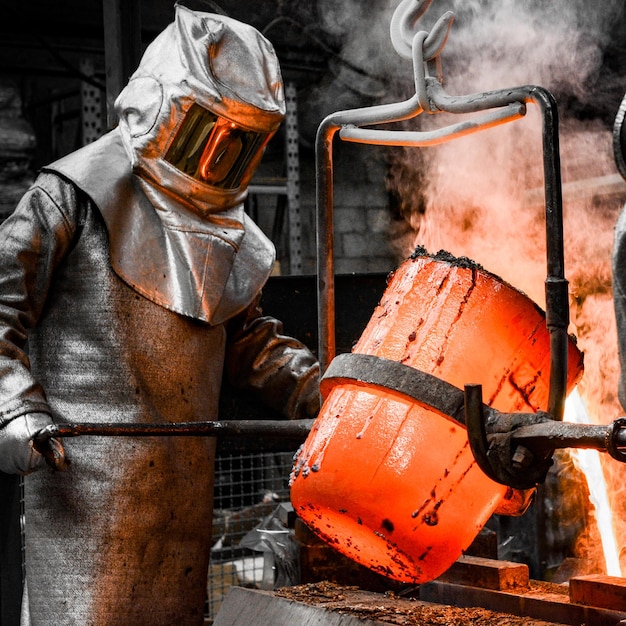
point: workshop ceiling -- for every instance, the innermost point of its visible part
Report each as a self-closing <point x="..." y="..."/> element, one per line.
<point x="39" y="36"/>
<point x="49" y="49"/>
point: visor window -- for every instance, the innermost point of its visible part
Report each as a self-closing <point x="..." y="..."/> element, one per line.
<point x="190" y="140"/>
<point x="214" y="150"/>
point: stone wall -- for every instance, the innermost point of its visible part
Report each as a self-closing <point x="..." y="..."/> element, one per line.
<point x="361" y="212"/>
<point x="362" y="216"/>
<point x="17" y="144"/>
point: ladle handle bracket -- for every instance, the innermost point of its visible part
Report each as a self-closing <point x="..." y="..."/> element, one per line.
<point x="497" y="455"/>
<point x="515" y="449"/>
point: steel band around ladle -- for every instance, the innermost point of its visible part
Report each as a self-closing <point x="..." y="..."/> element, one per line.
<point x="398" y="379"/>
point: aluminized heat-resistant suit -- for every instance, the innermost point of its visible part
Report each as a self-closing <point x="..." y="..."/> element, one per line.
<point x="129" y="282"/>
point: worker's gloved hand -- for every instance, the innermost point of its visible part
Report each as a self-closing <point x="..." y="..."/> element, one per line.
<point x="17" y="452"/>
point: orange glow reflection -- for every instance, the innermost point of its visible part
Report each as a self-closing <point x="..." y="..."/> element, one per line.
<point x="588" y="461"/>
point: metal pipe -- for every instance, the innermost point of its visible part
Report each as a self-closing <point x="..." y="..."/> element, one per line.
<point x="545" y="437"/>
<point x="296" y="429"/>
<point x="47" y="441"/>
<point x="431" y="97"/>
<point x="324" y="202"/>
<point x="425" y="139"/>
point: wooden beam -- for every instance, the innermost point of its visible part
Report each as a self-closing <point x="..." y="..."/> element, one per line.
<point x="608" y="592"/>
<point x="487" y="574"/>
<point x="122" y="48"/>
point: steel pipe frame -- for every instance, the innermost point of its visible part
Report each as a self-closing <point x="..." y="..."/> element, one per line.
<point x="430" y="97"/>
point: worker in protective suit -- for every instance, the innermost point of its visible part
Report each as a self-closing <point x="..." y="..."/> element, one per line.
<point x="134" y="274"/>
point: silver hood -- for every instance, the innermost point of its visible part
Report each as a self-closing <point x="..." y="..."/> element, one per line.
<point x="219" y="63"/>
<point x="185" y="245"/>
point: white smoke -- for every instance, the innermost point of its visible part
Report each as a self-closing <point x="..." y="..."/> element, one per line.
<point x="557" y="44"/>
<point x="477" y="187"/>
<point x="482" y="196"/>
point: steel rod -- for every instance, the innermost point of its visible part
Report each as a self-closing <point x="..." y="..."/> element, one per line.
<point x="425" y="139"/>
<point x="549" y="436"/>
<point x="296" y="429"/>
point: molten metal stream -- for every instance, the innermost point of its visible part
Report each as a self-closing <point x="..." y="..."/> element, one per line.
<point x="588" y="461"/>
<point x="391" y="484"/>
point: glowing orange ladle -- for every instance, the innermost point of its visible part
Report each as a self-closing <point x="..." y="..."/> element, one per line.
<point x="394" y="485"/>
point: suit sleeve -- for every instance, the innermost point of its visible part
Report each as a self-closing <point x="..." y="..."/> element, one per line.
<point x="33" y="241"/>
<point x="277" y="369"/>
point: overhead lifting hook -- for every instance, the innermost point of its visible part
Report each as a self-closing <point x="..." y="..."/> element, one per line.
<point x="402" y="29"/>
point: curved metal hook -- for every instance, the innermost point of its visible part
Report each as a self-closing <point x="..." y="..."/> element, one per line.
<point x="490" y="436"/>
<point x="403" y="29"/>
<point x="402" y="25"/>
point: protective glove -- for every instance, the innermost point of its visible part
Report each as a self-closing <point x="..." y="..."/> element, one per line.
<point x="17" y="452"/>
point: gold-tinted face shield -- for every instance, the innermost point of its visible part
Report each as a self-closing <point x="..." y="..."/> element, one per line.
<point x="215" y="150"/>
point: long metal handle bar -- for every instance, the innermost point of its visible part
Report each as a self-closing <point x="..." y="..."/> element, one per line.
<point x="296" y="429"/>
<point x="430" y="97"/>
<point x="609" y="438"/>
<point x="47" y="441"/>
<point x="515" y="449"/>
